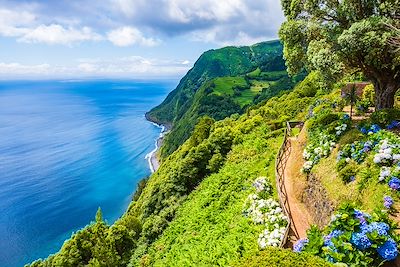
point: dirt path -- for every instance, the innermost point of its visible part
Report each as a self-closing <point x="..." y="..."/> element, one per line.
<point x="301" y="218"/>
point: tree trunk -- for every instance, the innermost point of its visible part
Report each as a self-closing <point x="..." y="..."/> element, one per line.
<point x="384" y="93"/>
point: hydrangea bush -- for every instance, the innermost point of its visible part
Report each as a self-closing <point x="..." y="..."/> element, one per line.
<point x="353" y="237"/>
<point x="382" y="148"/>
<point x="262" y="209"/>
<point x="323" y="140"/>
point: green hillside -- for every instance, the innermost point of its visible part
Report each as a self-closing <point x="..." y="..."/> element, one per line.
<point x="214" y="199"/>
<point x="200" y="207"/>
<point x="221" y="83"/>
<point x="190" y="211"/>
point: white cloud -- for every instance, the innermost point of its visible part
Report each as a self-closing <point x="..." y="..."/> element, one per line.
<point x="87" y="67"/>
<point x="122" y="21"/>
<point x="222" y="22"/>
<point x="134" y="66"/>
<point x="57" y="34"/>
<point x="252" y="23"/>
<point x="127" y="7"/>
<point x="186" y="11"/>
<point x="21" y="69"/>
<point x="13" y="23"/>
<point x="127" y="36"/>
<point x="125" y="67"/>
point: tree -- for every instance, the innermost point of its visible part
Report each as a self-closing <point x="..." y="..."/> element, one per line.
<point x="99" y="215"/>
<point x="336" y="36"/>
<point x="395" y="41"/>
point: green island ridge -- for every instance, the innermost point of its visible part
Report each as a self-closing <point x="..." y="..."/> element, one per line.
<point x="214" y="201"/>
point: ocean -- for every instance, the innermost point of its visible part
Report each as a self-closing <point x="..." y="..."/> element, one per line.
<point x="67" y="148"/>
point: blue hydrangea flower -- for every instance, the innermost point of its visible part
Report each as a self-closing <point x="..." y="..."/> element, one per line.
<point x="299" y="245"/>
<point x="328" y="242"/>
<point x="375" y="128"/>
<point x="364" y="130"/>
<point x="394" y="183"/>
<point x="367" y="147"/>
<point x="393" y="125"/>
<point x="346" y="116"/>
<point x="328" y="238"/>
<point x="361" y="216"/>
<point x="336" y="233"/>
<point x="380" y="227"/>
<point x="388" y="202"/>
<point x="360" y="241"/>
<point x="388" y="251"/>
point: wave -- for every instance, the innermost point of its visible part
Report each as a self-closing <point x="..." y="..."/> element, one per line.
<point x="151" y="155"/>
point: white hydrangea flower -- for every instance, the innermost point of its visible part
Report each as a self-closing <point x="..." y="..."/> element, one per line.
<point x="385" y="172"/>
<point x="266" y="212"/>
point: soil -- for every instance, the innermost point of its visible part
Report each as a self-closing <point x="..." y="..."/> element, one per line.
<point x="301" y="217"/>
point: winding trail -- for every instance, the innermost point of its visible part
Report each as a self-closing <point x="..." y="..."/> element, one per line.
<point x="300" y="215"/>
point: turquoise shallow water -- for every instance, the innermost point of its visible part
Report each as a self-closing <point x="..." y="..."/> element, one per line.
<point x="67" y="148"/>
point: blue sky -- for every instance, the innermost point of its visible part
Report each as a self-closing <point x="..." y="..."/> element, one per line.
<point x="124" y="38"/>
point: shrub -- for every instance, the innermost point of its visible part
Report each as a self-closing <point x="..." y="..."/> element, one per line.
<point x="275" y="257"/>
<point x="311" y="85"/>
<point x="348" y="173"/>
<point x="354" y="238"/>
<point x="385" y="116"/>
<point x="323" y="118"/>
<point x="350" y="137"/>
<point x="362" y="106"/>
<point x="369" y="94"/>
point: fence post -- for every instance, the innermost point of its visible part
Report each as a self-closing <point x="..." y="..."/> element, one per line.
<point x="280" y="165"/>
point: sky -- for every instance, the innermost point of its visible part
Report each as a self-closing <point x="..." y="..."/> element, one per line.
<point x="125" y="38"/>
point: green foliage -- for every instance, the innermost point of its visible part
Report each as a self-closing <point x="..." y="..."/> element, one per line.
<point x="311" y="85"/>
<point x="348" y="173"/>
<point x="217" y="87"/>
<point x="350" y="137"/>
<point x="280" y="86"/>
<point x="189" y="212"/>
<point x="97" y="245"/>
<point x="209" y="226"/>
<point x="141" y="185"/>
<point x="362" y="106"/>
<point x="275" y="257"/>
<point x="99" y="215"/>
<point x="254" y="74"/>
<point x="335" y="37"/>
<point x="385" y="116"/>
<point x="323" y="119"/>
<point x="339" y="242"/>
<point x="369" y="94"/>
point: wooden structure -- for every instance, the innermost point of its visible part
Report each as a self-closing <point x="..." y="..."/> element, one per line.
<point x="280" y="165"/>
<point x="358" y="86"/>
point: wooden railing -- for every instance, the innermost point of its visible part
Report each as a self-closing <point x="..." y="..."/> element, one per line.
<point x="280" y="165"/>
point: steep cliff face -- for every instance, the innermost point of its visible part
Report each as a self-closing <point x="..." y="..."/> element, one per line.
<point x="181" y="107"/>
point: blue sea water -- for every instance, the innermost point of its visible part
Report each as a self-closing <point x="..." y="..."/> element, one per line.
<point x="67" y="148"/>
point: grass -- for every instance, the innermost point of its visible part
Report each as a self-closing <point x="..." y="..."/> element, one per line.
<point x="246" y="97"/>
<point x="257" y="86"/>
<point x="273" y="75"/>
<point x="224" y="85"/>
<point x="209" y="229"/>
<point x="255" y="73"/>
<point x="365" y="191"/>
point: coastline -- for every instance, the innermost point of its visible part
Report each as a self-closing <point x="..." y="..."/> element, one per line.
<point x="152" y="158"/>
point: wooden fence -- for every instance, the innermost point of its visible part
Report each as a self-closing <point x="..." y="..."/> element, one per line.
<point x="280" y="165"/>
